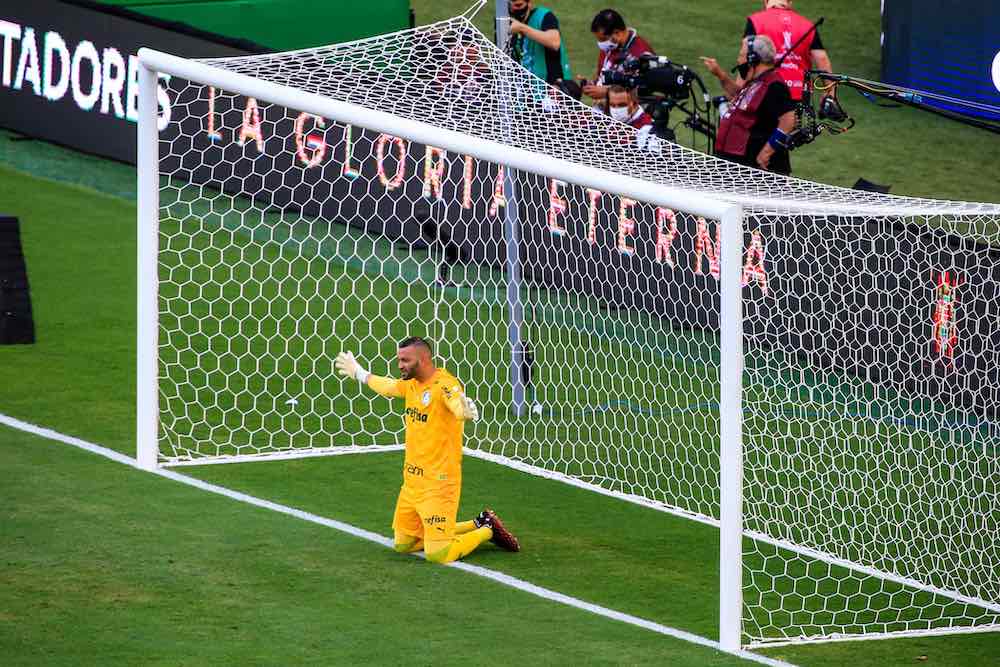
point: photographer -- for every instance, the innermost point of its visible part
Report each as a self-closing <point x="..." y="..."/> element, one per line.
<point x="537" y="43"/>
<point x="754" y="130"/>
<point x="616" y="44"/>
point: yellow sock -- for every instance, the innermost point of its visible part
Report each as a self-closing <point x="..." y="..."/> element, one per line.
<point x="408" y="546"/>
<point x="461" y="546"/>
<point x="463" y="527"/>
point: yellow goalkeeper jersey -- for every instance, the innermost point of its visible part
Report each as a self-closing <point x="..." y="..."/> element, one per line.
<point x="433" y="431"/>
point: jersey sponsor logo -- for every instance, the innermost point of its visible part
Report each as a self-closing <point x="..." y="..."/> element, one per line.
<point x="425" y="398"/>
<point x="416" y="471"/>
<point x="436" y="521"/>
<point x="415" y="415"/>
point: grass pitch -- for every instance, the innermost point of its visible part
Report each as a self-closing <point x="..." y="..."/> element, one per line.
<point x="78" y="379"/>
<point x="106" y="564"/>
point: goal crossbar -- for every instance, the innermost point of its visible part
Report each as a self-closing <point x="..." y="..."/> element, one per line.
<point x="483" y="149"/>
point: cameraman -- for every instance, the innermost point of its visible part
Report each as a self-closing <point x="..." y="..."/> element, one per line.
<point x="754" y="129"/>
<point x="617" y="44"/>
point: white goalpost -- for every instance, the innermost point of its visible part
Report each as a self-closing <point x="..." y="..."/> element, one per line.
<point x="811" y="369"/>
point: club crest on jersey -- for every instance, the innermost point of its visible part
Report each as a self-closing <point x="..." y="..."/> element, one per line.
<point x="425" y="398"/>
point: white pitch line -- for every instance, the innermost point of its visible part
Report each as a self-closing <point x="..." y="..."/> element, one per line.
<point x="493" y="575"/>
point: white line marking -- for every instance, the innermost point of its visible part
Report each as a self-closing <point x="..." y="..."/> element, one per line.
<point x="498" y="577"/>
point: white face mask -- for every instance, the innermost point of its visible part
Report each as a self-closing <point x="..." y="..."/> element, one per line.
<point x="621" y="114"/>
<point x="606" y="46"/>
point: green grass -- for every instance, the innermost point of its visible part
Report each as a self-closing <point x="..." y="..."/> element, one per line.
<point x="915" y="152"/>
<point x="78" y="379"/>
<point x="103" y="564"/>
<point x="138" y="569"/>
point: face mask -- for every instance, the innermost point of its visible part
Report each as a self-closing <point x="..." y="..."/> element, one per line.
<point x="620" y="114"/>
<point x="744" y="70"/>
<point x="606" y="46"/>
<point x="519" y="14"/>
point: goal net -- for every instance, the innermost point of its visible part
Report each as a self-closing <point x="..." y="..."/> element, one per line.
<point x="573" y="272"/>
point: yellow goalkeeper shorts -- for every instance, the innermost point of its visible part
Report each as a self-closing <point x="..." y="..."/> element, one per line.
<point x="428" y="514"/>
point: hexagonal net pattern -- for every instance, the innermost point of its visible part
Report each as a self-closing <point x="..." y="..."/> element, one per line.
<point x="870" y="431"/>
<point x="586" y="324"/>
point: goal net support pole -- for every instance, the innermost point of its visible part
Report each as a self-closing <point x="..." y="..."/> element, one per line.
<point x="731" y="435"/>
<point x="511" y="233"/>
<point x="147" y="239"/>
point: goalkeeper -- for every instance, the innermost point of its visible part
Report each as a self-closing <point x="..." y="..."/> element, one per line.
<point x="436" y="410"/>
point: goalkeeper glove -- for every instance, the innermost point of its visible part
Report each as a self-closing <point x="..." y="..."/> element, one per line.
<point x="471" y="411"/>
<point x="348" y="366"/>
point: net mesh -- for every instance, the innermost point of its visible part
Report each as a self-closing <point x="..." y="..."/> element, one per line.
<point x="451" y="75"/>
<point x="870" y="432"/>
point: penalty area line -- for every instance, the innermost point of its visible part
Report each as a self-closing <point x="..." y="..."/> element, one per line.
<point x="499" y="577"/>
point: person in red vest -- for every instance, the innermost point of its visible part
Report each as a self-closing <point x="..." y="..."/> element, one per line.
<point x="754" y="129"/>
<point x="786" y="28"/>
<point x="616" y="44"/>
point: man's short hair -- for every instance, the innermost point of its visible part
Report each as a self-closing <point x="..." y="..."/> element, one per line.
<point x="416" y="341"/>
<point x="619" y="90"/>
<point x="763" y="47"/>
<point x="607" y="21"/>
<point x="622" y="90"/>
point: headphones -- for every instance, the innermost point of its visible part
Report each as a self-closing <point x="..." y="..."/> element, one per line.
<point x="753" y="58"/>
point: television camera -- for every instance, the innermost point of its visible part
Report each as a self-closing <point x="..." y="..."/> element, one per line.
<point x="664" y="86"/>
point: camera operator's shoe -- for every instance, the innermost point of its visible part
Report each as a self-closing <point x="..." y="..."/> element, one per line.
<point x="501" y="536"/>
